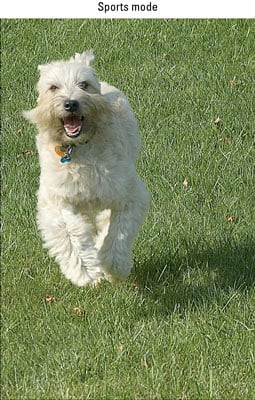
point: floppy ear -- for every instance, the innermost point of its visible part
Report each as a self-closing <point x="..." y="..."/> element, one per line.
<point x="42" y="68"/>
<point x="86" y="58"/>
<point x="29" y="115"/>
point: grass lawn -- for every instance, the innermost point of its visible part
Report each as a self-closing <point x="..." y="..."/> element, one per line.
<point x="183" y="325"/>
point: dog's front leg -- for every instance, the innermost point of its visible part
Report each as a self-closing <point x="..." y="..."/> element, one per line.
<point x="115" y="253"/>
<point x="68" y="236"/>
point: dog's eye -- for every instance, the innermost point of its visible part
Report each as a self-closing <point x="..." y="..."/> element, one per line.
<point x="53" y="88"/>
<point x="83" y="85"/>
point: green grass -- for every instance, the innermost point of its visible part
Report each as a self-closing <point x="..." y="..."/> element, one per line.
<point x="183" y="325"/>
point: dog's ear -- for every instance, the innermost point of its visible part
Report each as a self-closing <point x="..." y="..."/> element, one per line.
<point x="29" y="115"/>
<point x="86" y="58"/>
<point x="42" y="68"/>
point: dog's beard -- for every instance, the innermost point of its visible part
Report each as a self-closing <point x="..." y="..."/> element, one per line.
<point x="66" y="127"/>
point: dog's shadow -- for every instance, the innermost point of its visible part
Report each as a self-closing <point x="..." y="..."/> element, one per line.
<point x="173" y="282"/>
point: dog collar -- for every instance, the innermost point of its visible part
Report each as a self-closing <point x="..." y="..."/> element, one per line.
<point x="64" y="153"/>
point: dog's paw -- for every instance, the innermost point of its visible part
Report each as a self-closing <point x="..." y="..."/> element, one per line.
<point x="115" y="274"/>
<point x="85" y="277"/>
<point x="97" y="281"/>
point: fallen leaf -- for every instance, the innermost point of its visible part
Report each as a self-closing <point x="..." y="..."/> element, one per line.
<point x="217" y="121"/>
<point x="27" y="152"/>
<point x="27" y="271"/>
<point x="234" y="82"/>
<point x="231" y="218"/>
<point x="185" y="183"/>
<point x="49" y="298"/>
<point x="77" y="310"/>
<point x="135" y="286"/>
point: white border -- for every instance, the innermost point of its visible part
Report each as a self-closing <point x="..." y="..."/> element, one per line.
<point x="91" y="9"/>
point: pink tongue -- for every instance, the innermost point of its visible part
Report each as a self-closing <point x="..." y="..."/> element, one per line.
<point x="72" y="124"/>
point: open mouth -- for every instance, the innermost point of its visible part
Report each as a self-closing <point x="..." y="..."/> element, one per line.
<point x="73" y="126"/>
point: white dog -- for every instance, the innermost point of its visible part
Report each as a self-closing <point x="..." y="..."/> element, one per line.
<point x="91" y="202"/>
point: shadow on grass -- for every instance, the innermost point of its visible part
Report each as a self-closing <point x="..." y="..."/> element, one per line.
<point x="178" y="282"/>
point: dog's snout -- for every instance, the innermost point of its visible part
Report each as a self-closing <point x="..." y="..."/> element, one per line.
<point x="71" y="105"/>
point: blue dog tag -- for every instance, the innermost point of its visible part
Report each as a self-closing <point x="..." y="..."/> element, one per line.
<point x="65" y="159"/>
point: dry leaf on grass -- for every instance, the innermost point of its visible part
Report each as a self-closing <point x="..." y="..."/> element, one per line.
<point x="121" y="348"/>
<point x="234" y="83"/>
<point x="27" y="271"/>
<point x="135" y="286"/>
<point x="49" y="298"/>
<point x="185" y="183"/>
<point x="217" y="121"/>
<point x="77" y="311"/>
<point x="231" y="218"/>
<point x="27" y="152"/>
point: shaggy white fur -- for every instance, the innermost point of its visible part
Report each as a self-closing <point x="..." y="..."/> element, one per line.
<point x="91" y="202"/>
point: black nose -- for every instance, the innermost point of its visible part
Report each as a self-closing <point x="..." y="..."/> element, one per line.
<point x="71" y="105"/>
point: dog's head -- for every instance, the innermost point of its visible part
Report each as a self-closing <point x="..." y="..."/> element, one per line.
<point x="69" y="99"/>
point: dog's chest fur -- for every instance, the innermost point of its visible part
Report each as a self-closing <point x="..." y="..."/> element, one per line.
<point x="91" y="177"/>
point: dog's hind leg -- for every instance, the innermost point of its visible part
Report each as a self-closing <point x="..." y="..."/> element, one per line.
<point x="115" y="253"/>
<point x="68" y="237"/>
